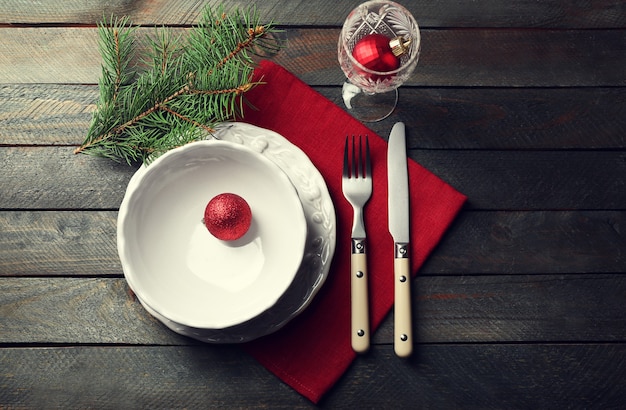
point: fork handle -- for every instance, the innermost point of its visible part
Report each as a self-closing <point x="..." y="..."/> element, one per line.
<point x="360" y="327"/>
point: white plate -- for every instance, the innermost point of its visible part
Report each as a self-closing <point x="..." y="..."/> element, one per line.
<point x="177" y="267"/>
<point x="319" y="247"/>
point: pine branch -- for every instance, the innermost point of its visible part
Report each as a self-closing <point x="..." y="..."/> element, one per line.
<point x="187" y="85"/>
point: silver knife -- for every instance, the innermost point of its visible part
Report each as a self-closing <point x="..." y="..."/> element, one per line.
<point x="398" y="184"/>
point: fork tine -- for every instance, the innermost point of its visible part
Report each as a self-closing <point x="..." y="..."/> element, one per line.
<point x="354" y="173"/>
<point x="356" y="158"/>
<point x="368" y="163"/>
<point x="361" y="168"/>
<point x="346" y="171"/>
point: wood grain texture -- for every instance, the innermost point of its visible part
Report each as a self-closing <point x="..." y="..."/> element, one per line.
<point x="522" y="180"/>
<point x="94" y="311"/>
<point x="451" y="58"/>
<point x="522" y="308"/>
<point x="45" y="114"/>
<point x="30" y="179"/>
<point x="446" y="309"/>
<point x="516" y="180"/>
<point x="69" y="55"/>
<point x="486" y="377"/>
<point x="438" y="376"/>
<point x="555" y="242"/>
<point x="520" y="105"/>
<point x="83" y="243"/>
<point x="52" y="243"/>
<point x="439" y="118"/>
<point x="448" y="13"/>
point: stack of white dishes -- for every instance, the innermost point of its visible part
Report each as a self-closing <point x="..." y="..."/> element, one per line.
<point x="227" y="291"/>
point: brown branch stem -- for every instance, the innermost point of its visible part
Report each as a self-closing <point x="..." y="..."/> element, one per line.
<point x="253" y="33"/>
<point x="182" y="117"/>
<point x="237" y="90"/>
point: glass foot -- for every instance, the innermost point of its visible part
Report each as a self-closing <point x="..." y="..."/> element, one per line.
<point x="368" y="107"/>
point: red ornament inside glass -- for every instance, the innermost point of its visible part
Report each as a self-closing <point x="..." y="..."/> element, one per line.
<point x="375" y="53"/>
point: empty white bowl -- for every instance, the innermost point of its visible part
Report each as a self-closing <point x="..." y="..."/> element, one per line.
<point x="177" y="268"/>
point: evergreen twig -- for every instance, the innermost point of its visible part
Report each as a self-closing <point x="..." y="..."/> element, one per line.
<point x="174" y="93"/>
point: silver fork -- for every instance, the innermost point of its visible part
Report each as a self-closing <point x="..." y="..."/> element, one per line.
<point x="356" y="183"/>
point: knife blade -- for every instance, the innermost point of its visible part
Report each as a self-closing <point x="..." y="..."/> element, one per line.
<point x="398" y="207"/>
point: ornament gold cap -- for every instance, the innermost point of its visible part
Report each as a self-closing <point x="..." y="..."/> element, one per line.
<point x="399" y="46"/>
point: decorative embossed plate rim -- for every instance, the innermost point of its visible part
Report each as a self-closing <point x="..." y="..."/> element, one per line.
<point x="320" y="242"/>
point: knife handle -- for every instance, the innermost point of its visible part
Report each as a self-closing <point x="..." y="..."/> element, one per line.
<point x="403" y="333"/>
<point x="360" y="327"/>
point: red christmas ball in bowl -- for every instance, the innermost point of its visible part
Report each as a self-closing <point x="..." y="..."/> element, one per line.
<point x="227" y="216"/>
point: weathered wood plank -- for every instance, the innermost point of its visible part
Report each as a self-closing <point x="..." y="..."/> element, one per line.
<point x="77" y="243"/>
<point x="520" y="308"/>
<point x="30" y="179"/>
<point x="494" y="180"/>
<point x="489" y="13"/>
<point x="517" y="58"/>
<point x="53" y="243"/>
<point x="486" y="118"/>
<point x="440" y="118"/>
<point x="557" y="242"/>
<point x="447" y="309"/>
<point x="45" y="114"/>
<point x="69" y="55"/>
<point x="509" y="180"/>
<point x="83" y="310"/>
<point x="438" y="376"/>
<point x="146" y="377"/>
<point x="486" y="377"/>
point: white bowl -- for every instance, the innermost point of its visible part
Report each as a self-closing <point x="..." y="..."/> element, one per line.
<point x="178" y="270"/>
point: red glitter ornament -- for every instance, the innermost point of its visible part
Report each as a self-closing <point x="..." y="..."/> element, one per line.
<point x="227" y="216"/>
<point x="375" y="53"/>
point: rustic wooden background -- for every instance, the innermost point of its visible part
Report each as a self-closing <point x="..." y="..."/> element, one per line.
<point x="520" y="105"/>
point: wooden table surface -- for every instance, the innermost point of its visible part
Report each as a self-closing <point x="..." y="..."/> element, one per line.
<point x="519" y="105"/>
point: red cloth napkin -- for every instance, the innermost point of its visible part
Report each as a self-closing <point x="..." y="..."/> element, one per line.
<point x="313" y="350"/>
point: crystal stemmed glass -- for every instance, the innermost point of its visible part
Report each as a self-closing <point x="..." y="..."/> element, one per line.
<point x="371" y="95"/>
